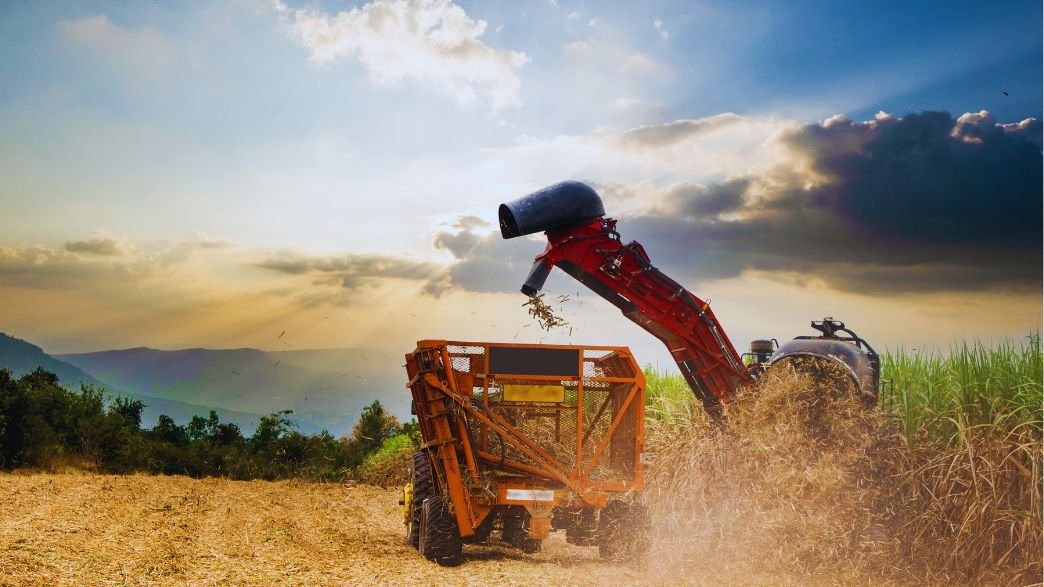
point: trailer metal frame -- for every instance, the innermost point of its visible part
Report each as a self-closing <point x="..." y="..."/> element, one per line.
<point x="523" y="425"/>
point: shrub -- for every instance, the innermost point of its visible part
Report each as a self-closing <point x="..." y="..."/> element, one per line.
<point x="387" y="466"/>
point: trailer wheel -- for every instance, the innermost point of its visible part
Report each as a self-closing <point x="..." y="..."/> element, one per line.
<point x="516" y="530"/>
<point x="439" y="537"/>
<point x="529" y="545"/>
<point x="482" y="532"/>
<point x="624" y="531"/>
<point x="420" y="480"/>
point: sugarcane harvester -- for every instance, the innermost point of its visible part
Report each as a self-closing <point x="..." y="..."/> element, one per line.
<point x="526" y="439"/>
<point x="585" y="244"/>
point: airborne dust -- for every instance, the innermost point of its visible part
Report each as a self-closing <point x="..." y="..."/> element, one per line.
<point x="804" y="485"/>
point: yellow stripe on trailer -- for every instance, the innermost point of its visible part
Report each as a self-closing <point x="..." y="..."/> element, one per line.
<point x="517" y="392"/>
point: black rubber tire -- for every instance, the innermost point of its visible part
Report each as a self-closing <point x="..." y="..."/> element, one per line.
<point x="482" y="532"/>
<point x="582" y="527"/>
<point x="529" y="545"/>
<point x="624" y="532"/>
<point x="516" y="530"/>
<point x="439" y="537"/>
<point x="423" y="488"/>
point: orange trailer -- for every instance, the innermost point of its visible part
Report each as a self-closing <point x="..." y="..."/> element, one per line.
<point x="525" y="439"/>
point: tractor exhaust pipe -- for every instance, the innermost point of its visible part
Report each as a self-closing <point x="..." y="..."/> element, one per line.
<point x="558" y="206"/>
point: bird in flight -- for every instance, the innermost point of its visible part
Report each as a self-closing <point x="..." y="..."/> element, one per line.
<point x="1003" y="92"/>
<point x="281" y="334"/>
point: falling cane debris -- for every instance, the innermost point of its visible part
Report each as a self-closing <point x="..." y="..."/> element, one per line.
<point x="544" y="314"/>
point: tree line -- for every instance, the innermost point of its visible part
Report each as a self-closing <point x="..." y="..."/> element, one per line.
<point x="45" y="425"/>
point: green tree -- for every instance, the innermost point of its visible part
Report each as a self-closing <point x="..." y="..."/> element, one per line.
<point x="166" y="430"/>
<point x="270" y="429"/>
<point x="198" y="428"/>
<point x="128" y="409"/>
<point x="12" y="421"/>
<point x="213" y="429"/>
<point x="412" y="430"/>
<point x="373" y="427"/>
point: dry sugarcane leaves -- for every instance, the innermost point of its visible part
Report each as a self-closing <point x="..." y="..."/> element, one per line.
<point x="544" y="314"/>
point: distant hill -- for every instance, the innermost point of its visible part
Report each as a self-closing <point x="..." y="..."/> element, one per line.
<point x="23" y="357"/>
<point x="326" y="389"/>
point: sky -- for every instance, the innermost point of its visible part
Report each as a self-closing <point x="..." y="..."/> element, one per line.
<point x="216" y="173"/>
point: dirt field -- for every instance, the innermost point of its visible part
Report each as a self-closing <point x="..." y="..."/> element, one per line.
<point x="83" y="529"/>
<point x="87" y="529"/>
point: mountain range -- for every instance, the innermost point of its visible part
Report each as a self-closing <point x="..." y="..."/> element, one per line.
<point x="326" y="389"/>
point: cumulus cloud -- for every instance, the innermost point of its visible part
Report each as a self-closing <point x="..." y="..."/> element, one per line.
<point x="669" y="134"/>
<point x="174" y="253"/>
<point x="197" y="275"/>
<point x="100" y="244"/>
<point x="200" y="240"/>
<point x="485" y="262"/>
<point x="702" y="200"/>
<point x="145" y="50"/>
<point x="470" y="222"/>
<point x="893" y="205"/>
<point x="43" y="267"/>
<point x="431" y="41"/>
<point x="920" y="180"/>
<point x="972" y="126"/>
<point x="354" y="271"/>
<point x="101" y="262"/>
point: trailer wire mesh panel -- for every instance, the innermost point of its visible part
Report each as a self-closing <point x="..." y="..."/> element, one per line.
<point x="582" y="407"/>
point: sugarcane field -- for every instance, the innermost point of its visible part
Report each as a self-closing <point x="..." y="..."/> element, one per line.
<point x="534" y="293"/>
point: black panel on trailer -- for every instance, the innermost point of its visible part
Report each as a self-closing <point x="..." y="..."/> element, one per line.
<point x="534" y="361"/>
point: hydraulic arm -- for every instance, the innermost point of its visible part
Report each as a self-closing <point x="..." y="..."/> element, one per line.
<point x="585" y="244"/>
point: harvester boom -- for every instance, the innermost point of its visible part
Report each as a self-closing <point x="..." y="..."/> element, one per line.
<point x="591" y="251"/>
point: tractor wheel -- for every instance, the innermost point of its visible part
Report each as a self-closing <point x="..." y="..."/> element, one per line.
<point x="439" y="537"/>
<point x="422" y="488"/>
<point x="624" y="531"/>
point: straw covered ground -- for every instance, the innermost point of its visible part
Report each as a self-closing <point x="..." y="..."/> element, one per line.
<point x="803" y="486"/>
<point x="87" y="529"/>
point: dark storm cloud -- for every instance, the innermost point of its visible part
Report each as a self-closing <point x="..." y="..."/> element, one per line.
<point x="700" y="200"/>
<point x="928" y="179"/>
<point x="918" y="204"/>
<point x="924" y="203"/>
